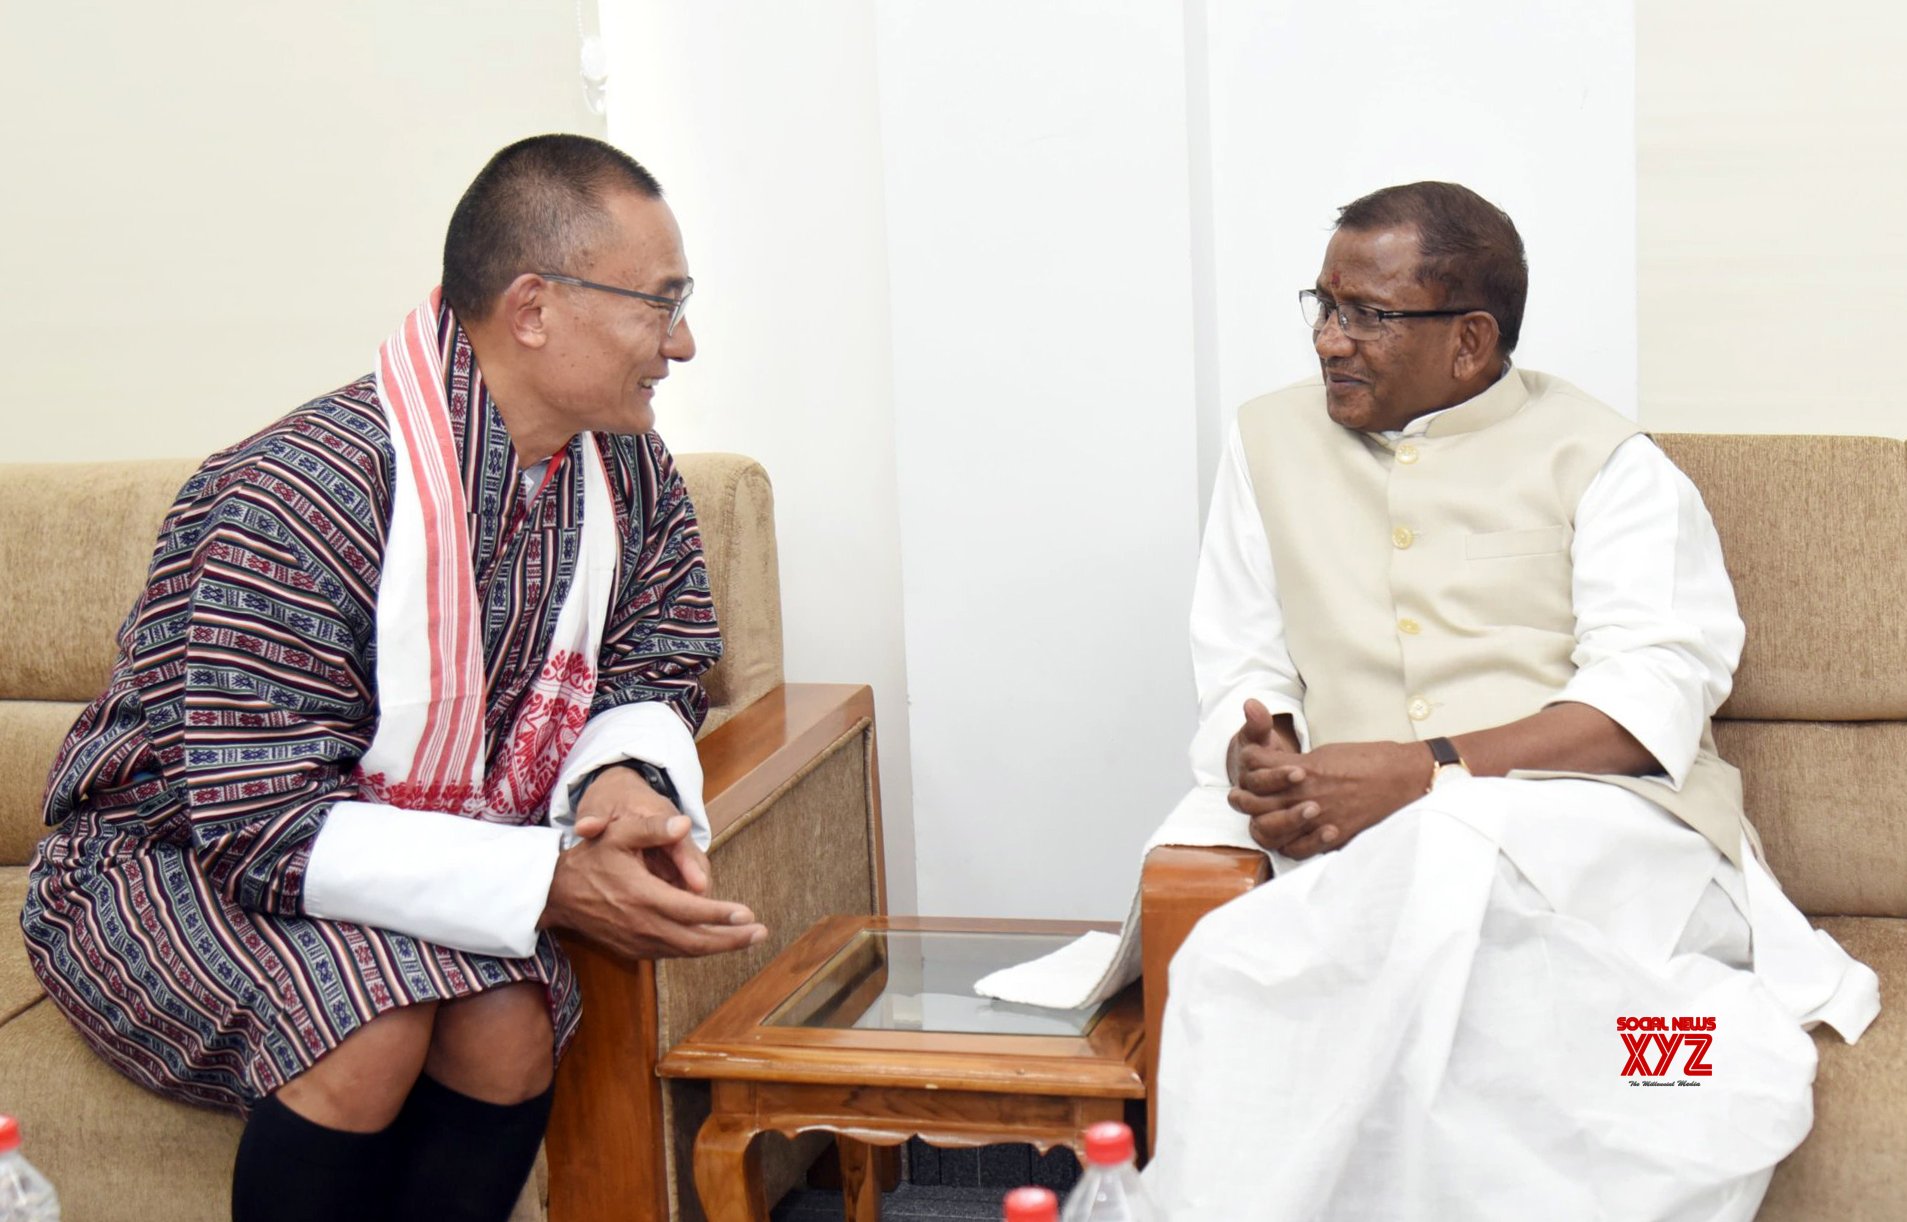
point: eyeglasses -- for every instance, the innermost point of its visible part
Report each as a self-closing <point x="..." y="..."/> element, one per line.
<point x="1359" y="321"/>
<point x="674" y="305"/>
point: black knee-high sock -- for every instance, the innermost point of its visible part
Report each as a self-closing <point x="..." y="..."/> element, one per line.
<point x="290" y="1169"/>
<point x="461" y="1159"/>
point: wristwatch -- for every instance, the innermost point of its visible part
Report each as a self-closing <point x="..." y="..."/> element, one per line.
<point x="658" y="779"/>
<point x="1443" y="754"/>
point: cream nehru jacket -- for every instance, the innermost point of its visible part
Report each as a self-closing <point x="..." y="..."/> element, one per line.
<point x="1426" y="583"/>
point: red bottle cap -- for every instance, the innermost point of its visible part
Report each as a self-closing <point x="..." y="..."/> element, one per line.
<point x="1032" y="1205"/>
<point x="9" y="1134"/>
<point x="1108" y="1144"/>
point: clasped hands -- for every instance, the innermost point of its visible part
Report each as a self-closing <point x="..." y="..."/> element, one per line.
<point x="636" y="884"/>
<point x="1306" y="802"/>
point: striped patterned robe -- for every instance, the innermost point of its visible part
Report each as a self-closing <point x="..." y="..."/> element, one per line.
<point x="164" y="914"/>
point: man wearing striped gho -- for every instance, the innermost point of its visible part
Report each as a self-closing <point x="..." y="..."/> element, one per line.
<point x="414" y="681"/>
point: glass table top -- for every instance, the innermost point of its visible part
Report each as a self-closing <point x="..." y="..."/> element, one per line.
<point x="904" y="980"/>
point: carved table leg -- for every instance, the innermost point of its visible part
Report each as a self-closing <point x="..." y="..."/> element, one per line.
<point x="728" y="1171"/>
<point x="860" y="1180"/>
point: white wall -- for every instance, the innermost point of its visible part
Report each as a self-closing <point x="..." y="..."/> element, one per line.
<point x="1531" y="105"/>
<point x="762" y="122"/>
<point x="1773" y="193"/>
<point x="1040" y="247"/>
<point x="216" y="211"/>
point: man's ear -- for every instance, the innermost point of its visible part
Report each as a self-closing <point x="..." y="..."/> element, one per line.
<point x="520" y="308"/>
<point x="1476" y="345"/>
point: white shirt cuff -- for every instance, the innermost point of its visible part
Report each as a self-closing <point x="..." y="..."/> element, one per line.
<point x="462" y="883"/>
<point x="1660" y="714"/>
<point x="650" y="732"/>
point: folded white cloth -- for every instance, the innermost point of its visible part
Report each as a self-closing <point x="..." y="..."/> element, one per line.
<point x="1095" y="967"/>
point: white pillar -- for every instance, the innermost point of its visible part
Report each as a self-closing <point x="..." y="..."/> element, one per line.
<point x="762" y="122"/>
<point x="1040" y="253"/>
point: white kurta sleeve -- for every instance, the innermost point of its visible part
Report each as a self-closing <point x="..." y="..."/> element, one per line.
<point x="462" y="883"/>
<point x="1657" y="631"/>
<point x="1238" y="627"/>
<point x="650" y="731"/>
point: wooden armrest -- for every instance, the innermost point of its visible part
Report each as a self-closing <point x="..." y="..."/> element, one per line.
<point x="1179" y="885"/>
<point x="605" y="1138"/>
<point x="760" y="749"/>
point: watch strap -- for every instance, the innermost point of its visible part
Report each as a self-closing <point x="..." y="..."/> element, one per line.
<point x="1443" y="754"/>
<point x="657" y="779"/>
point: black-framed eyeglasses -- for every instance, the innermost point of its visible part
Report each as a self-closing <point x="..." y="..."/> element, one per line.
<point x="1360" y="321"/>
<point x="674" y="305"/>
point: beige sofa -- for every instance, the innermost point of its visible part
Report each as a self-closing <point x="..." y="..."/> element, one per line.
<point x="1814" y="530"/>
<point x="792" y="793"/>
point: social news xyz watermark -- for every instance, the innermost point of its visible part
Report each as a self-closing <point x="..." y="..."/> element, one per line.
<point x="1657" y="1046"/>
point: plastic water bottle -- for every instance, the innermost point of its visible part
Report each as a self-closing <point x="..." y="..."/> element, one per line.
<point x="1109" y="1190"/>
<point x="25" y="1194"/>
<point x="1032" y="1205"/>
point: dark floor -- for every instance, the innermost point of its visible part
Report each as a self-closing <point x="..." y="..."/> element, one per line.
<point x="1001" y="1167"/>
<point x="947" y="1185"/>
<point x="908" y="1203"/>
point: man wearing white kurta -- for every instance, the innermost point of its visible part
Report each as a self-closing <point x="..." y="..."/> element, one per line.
<point x="1458" y="633"/>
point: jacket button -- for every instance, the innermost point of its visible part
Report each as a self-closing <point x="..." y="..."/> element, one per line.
<point x="1407" y="454"/>
<point x="1401" y="536"/>
<point x="1419" y="708"/>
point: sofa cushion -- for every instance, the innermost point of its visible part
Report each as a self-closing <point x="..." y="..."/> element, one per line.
<point x="1850" y="1168"/>
<point x="1814" y="530"/>
<point x="19" y="987"/>
<point x="30" y="735"/>
<point x="1830" y="802"/>
<point x="85" y="533"/>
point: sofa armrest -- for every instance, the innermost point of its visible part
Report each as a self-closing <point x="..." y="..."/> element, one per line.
<point x="1179" y="885"/>
<point x="746" y="761"/>
<point x="608" y="1137"/>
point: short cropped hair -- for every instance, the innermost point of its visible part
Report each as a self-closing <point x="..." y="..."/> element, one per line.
<point x="1465" y="243"/>
<point x="531" y="209"/>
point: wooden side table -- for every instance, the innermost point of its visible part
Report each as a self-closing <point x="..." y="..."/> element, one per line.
<point x="866" y="1028"/>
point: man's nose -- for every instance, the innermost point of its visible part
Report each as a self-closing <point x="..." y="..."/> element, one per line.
<point x="680" y="345"/>
<point x="1330" y="339"/>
